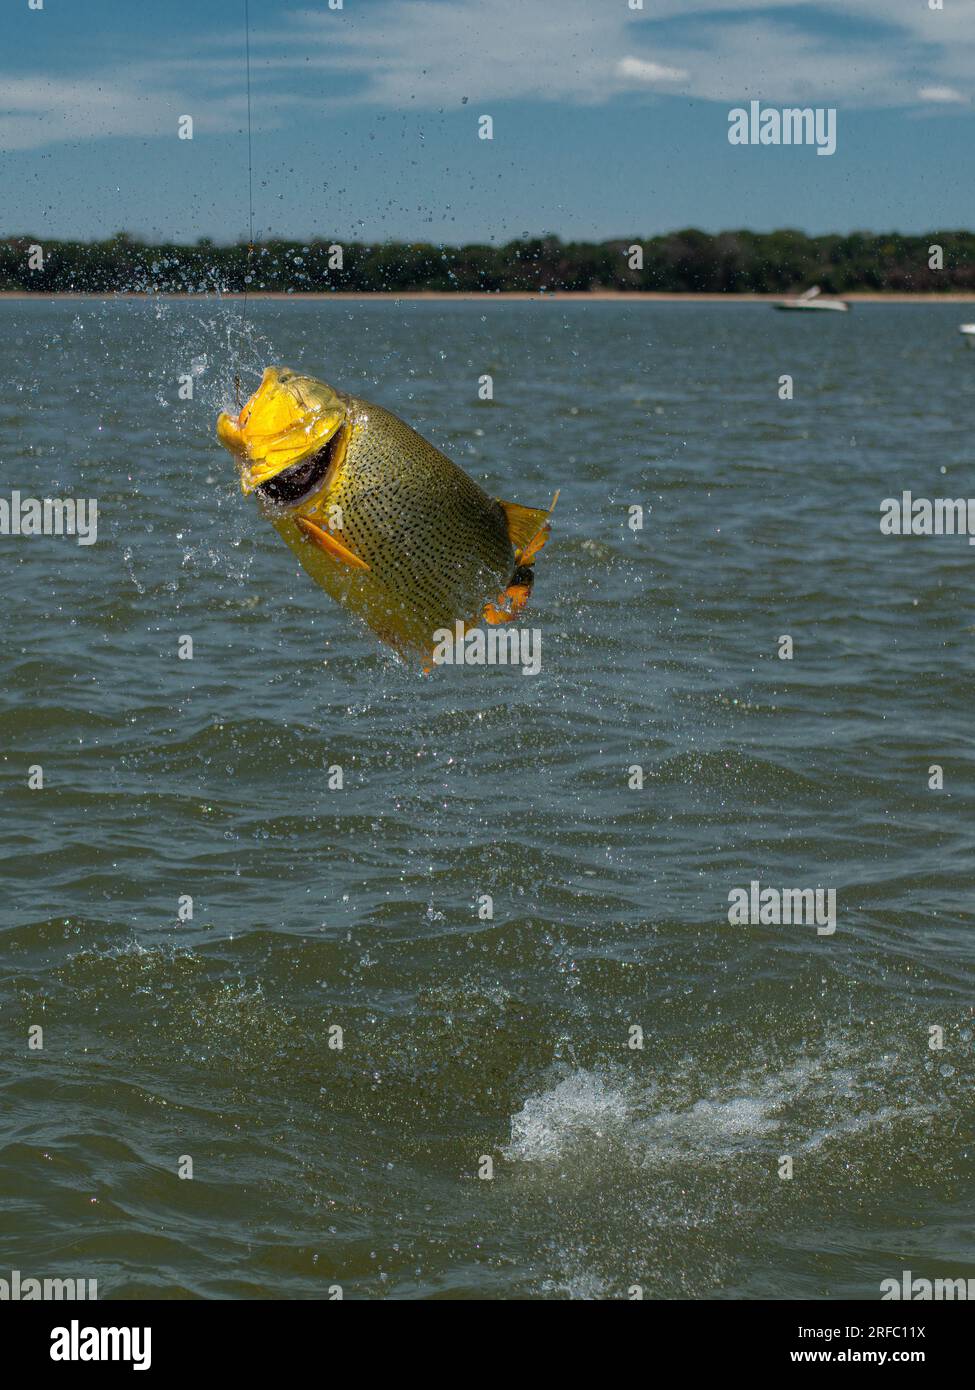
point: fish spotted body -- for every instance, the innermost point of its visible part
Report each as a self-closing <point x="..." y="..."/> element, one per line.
<point x="383" y="521"/>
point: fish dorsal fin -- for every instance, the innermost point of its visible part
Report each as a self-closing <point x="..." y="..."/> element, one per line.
<point x="527" y="527"/>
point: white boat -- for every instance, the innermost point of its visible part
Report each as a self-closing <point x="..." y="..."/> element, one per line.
<point x="968" y="329"/>
<point x="813" y="300"/>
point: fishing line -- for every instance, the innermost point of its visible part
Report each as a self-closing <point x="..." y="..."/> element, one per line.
<point x="250" y="195"/>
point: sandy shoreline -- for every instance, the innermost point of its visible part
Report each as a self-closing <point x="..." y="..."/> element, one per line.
<point x="575" y="296"/>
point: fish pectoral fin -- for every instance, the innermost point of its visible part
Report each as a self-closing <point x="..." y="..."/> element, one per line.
<point x="330" y="545"/>
<point x="528" y="528"/>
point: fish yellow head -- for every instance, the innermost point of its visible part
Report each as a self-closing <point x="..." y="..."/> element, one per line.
<point x="288" y="421"/>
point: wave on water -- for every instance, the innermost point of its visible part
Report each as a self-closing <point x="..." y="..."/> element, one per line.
<point x="692" y="1179"/>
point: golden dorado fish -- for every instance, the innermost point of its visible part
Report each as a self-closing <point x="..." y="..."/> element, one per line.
<point x="384" y="522"/>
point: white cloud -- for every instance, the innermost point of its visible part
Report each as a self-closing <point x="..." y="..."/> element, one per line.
<point x="415" y="54"/>
<point x="38" y="111"/>
<point x="942" y="95"/>
<point x="639" y="70"/>
<point x="424" y="54"/>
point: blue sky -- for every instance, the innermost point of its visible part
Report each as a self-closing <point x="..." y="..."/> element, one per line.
<point x="608" y="121"/>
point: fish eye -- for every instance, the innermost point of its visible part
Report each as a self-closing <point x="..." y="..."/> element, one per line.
<point x="296" y="483"/>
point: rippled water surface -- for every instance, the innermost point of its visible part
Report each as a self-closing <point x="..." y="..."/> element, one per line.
<point x="316" y="909"/>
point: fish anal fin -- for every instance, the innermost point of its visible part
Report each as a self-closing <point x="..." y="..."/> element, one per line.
<point x="510" y="604"/>
<point x="327" y="542"/>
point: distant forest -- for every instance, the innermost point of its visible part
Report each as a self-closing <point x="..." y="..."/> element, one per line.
<point x="727" y="262"/>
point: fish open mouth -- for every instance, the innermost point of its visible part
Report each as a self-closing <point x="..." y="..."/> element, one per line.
<point x="285" y="428"/>
<point x="294" y="484"/>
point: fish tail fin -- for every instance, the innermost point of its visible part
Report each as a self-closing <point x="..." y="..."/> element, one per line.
<point x="528" y="528"/>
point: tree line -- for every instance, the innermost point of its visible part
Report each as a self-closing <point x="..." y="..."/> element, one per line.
<point x="684" y="261"/>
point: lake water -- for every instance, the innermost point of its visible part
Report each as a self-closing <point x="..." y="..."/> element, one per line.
<point x="509" y="1039"/>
